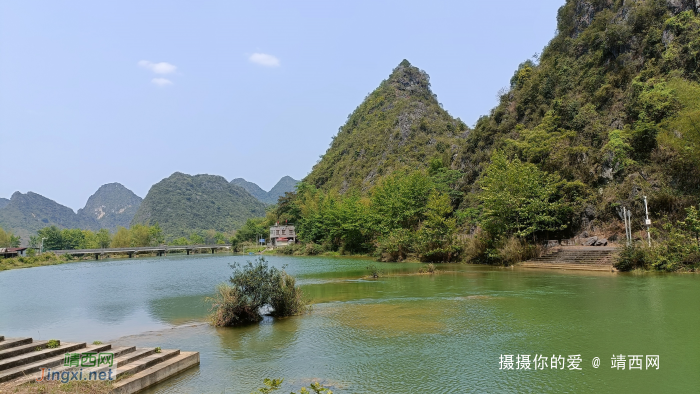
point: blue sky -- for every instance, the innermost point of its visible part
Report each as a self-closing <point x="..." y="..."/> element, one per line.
<point x="93" y="92"/>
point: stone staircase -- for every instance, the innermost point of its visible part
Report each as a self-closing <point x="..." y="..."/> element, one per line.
<point x="21" y="361"/>
<point x="588" y="258"/>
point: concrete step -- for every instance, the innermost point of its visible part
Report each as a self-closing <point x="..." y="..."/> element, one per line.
<point x="141" y="364"/>
<point x="39" y="355"/>
<point x="27" y="369"/>
<point x="17" y="350"/>
<point x="118" y="352"/>
<point x="581" y="267"/>
<point x="2" y="338"/>
<point x="157" y="373"/>
<point x="12" y="342"/>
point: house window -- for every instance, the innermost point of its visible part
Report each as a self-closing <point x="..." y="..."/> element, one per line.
<point x="278" y="232"/>
<point x="284" y="231"/>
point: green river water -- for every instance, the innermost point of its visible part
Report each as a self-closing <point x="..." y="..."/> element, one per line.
<point x="403" y="333"/>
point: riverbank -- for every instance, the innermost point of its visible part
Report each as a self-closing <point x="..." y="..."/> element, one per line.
<point x="48" y="258"/>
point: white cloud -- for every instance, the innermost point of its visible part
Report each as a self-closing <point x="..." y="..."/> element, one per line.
<point x="264" y="59"/>
<point x="161" y="82"/>
<point x="158" y="68"/>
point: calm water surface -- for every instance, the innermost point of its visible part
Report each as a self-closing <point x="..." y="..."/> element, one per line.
<point x="404" y="333"/>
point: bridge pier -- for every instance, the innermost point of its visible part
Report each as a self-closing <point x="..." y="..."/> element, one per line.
<point x="97" y="256"/>
<point x="188" y="251"/>
<point x="131" y="254"/>
<point x="212" y="250"/>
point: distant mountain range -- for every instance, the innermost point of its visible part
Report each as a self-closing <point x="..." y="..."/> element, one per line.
<point x="25" y="214"/>
<point x="180" y="203"/>
<point x="286" y="184"/>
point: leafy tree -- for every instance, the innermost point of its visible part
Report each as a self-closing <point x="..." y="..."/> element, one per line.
<point x="182" y="241"/>
<point x="122" y="239"/>
<point x="155" y="234"/>
<point x="692" y="222"/>
<point x="8" y="239"/>
<point x="196" y="239"/>
<point x="54" y="238"/>
<point x="519" y="199"/>
<point x="435" y="238"/>
<point x="103" y="238"/>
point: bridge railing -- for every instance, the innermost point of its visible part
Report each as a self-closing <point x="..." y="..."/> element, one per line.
<point x="162" y="248"/>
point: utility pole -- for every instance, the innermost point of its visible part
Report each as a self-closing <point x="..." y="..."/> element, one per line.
<point x="647" y="222"/>
<point x="41" y="248"/>
<point x="624" y="218"/>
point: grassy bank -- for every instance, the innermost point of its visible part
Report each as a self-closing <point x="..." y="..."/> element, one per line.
<point x="56" y="387"/>
<point x="34" y="261"/>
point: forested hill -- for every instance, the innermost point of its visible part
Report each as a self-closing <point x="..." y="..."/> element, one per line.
<point x="183" y="203"/>
<point x="26" y="213"/>
<point x="3" y="202"/>
<point x="399" y="125"/>
<point x="111" y="206"/>
<point x="613" y="101"/>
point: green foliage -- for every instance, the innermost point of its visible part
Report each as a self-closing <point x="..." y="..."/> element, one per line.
<point x="435" y="237"/>
<point x="97" y="342"/>
<point x="396" y="245"/>
<point x="692" y="223"/>
<point x="428" y="269"/>
<point x="674" y="249"/>
<point x="157" y="349"/>
<point x="8" y="239"/>
<point x="400" y="125"/>
<point x="271" y="385"/>
<point x="253" y="286"/>
<point x="521" y="200"/>
<point x="53" y="343"/>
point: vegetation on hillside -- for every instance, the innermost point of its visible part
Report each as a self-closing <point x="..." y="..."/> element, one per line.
<point x="399" y="126"/>
<point x="607" y="114"/>
<point x="182" y="204"/>
<point x="112" y="205"/>
<point x="284" y="185"/>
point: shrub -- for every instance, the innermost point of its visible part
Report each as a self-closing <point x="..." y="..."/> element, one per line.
<point x="513" y="251"/>
<point x="632" y="257"/>
<point x="428" y="269"/>
<point x="53" y="343"/>
<point x="395" y="246"/>
<point x="288" y="299"/>
<point x="254" y="286"/>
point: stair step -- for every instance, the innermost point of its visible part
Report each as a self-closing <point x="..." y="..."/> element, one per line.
<point x="156" y="373"/>
<point x="2" y="338"/>
<point x="12" y="342"/>
<point x="583" y="267"/>
<point x="118" y="352"/>
<point x="40" y="355"/>
<point x="139" y="365"/>
<point x="17" y="350"/>
<point x="34" y="367"/>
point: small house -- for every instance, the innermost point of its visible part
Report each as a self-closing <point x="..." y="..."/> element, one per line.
<point x="282" y="235"/>
<point x="13" y="252"/>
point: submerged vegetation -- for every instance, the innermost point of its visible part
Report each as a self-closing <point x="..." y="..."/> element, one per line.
<point x="253" y="287"/>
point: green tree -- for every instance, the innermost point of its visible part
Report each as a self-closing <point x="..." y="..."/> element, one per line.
<point x="435" y="237"/>
<point x="692" y="223"/>
<point x="8" y="239"/>
<point x="122" y="239"/>
<point x="519" y="199"/>
<point x="196" y="239"/>
<point x="103" y="238"/>
<point x="54" y="238"/>
<point x="140" y="235"/>
<point x="156" y="235"/>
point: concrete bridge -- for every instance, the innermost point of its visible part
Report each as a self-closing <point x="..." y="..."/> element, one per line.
<point x="158" y="250"/>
